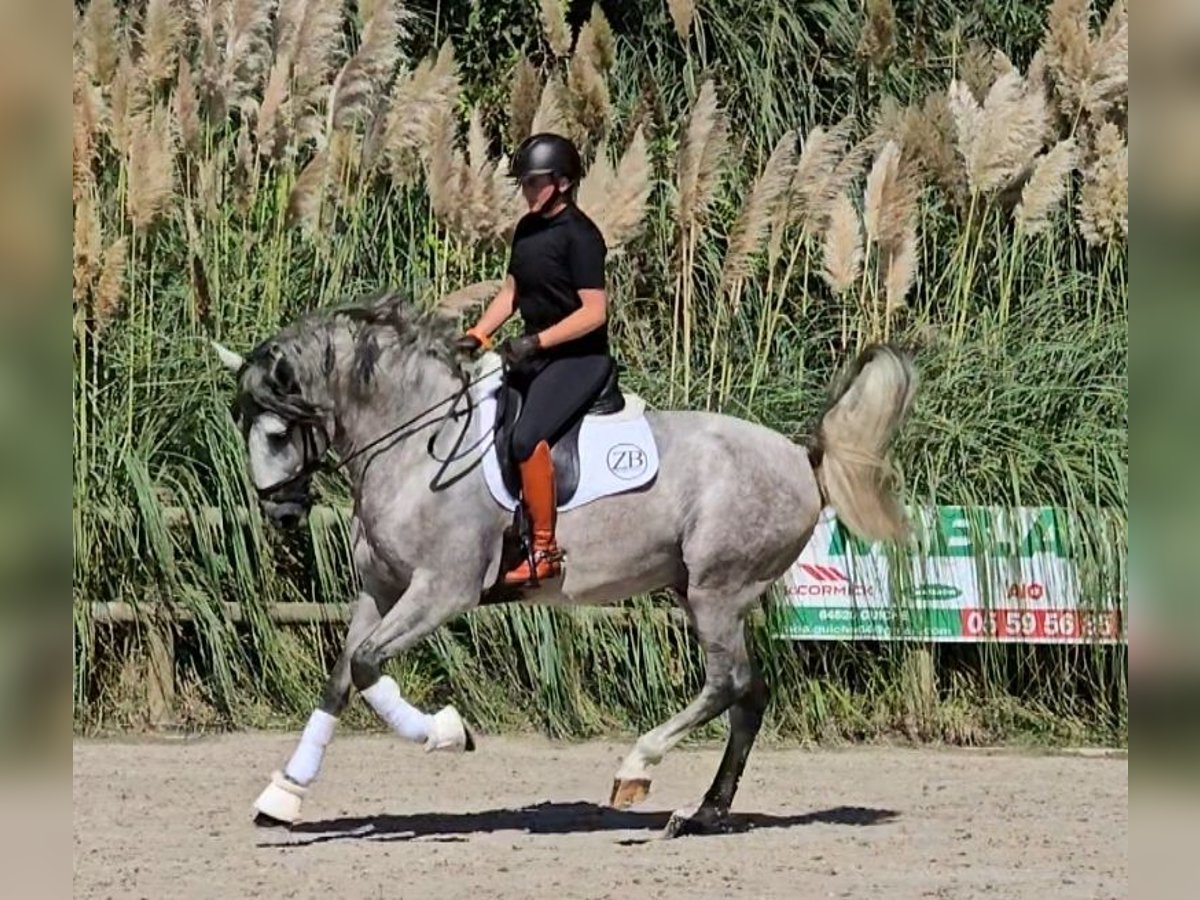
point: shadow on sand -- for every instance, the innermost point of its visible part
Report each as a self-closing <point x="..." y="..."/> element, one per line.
<point x="550" y="818"/>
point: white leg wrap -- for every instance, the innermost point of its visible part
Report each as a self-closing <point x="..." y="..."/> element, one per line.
<point x="406" y="720"/>
<point x="305" y="763"/>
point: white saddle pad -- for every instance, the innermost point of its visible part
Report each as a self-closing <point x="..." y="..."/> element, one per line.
<point x="617" y="452"/>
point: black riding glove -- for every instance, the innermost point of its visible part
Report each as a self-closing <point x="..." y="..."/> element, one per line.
<point x="469" y="344"/>
<point x="517" y="350"/>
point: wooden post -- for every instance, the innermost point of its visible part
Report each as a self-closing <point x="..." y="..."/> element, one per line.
<point x="160" y="685"/>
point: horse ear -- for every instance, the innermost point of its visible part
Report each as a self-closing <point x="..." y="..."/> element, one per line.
<point x="231" y="360"/>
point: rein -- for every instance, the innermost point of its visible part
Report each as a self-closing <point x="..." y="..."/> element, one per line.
<point x="314" y="463"/>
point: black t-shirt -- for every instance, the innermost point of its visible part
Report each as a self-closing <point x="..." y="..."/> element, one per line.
<point x="552" y="260"/>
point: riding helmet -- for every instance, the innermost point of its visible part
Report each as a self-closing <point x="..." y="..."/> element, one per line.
<point x="547" y="154"/>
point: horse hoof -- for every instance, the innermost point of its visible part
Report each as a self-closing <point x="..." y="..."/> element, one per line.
<point x="628" y="791"/>
<point x="279" y="803"/>
<point x="262" y="820"/>
<point x="693" y="821"/>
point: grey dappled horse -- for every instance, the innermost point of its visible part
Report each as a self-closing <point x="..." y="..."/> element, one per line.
<point x="732" y="507"/>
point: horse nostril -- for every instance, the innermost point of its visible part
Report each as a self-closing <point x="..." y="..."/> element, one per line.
<point x="290" y="520"/>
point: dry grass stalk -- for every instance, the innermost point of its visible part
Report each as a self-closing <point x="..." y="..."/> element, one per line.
<point x="86" y="125"/>
<point x="590" y="105"/>
<point x="554" y="25"/>
<point x="601" y="35"/>
<point x="112" y="279"/>
<point x="621" y="194"/>
<point x="1108" y="86"/>
<point x="246" y="51"/>
<point x="877" y="41"/>
<point x="890" y="198"/>
<point x="824" y="170"/>
<point x="1045" y="189"/>
<point x="309" y="193"/>
<point x="464" y="298"/>
<point x="318" y="43"/>
<point x="901" y="269"/>
<point x="480" y="184"/>
<point x="1104" y="196"/>
<point x="245" y="173"/>
<point x="85" y="244"/>
<point x="843" y="248"/>
<point x="682" y="14"/>
<point x="699" y="157"/>
<point x="552" y="109"/>
<point x="418" y="98"/>
<point x="101" y="40"/>
<point x="187" y="108"/>
<point x="271" y="131"/>
<point x="128" y="99"/>
<point x="999" y="139"/>
<point x="1069" y="52"/>
<point x="161" y="32"/>
<point x="150" y="167"/>
<point x="523" y="100"/>
<point x="753" y="222"/>
<point x="367" y="73"/>
<point x="598" y="181"/>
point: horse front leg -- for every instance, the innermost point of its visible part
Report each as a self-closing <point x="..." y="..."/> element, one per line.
<point x="430" y="600"/>
<point x="280" y="801"/>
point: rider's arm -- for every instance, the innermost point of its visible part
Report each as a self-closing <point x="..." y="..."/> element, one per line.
<point x="586" y="261"/>
<point x="497" y="312"/>
<point x="587" y="318"/>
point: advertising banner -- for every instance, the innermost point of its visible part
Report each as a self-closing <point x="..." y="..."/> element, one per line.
<point x="980" y="574"/>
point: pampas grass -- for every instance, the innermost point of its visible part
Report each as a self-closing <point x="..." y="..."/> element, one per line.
<point x="699" y="157"/>
<point x="151" y="169"/>
<point x="890" y="198"/>
<point x="753" y="222"/>
<point x="999" y="139"/>
<point x="682" y="13"/>
<point x="419" y="99"/>
<point x="524" y="97"/>
<point x="186" y="106"/>
<point x="366" y="75"/>
<point x="459" y="301"/>
<point x="1104" y="195"/>
<point x="551" y="115"/>
<point x="843" y="246"/>
<point x="161" y="31"/>
<point x="554" y="26"/>
<point x="615" y="199"/>
<point x="111" y="284"/>
<point x="102" y="40"/>
<point x="1044" y="191"/>
<point x="900" y="273"/>
<point x="877" y="41"/>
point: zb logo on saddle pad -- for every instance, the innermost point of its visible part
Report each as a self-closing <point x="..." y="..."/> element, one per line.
<point x="627" y="461"/>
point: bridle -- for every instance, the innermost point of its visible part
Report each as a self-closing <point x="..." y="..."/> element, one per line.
<point x="314" y="458"/>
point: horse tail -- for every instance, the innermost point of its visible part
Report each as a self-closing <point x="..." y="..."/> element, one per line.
<point x="868" y="404"/>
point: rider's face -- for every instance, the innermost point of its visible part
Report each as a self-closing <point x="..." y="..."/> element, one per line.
<point x="538" y="189"/>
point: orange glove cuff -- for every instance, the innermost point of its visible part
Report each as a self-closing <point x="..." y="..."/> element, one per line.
<point x="484" y="340"/>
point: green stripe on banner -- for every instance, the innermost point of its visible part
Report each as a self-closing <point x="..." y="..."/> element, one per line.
<point x="867" y="622"/>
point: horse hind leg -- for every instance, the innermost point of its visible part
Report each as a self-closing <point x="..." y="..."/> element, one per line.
<point x="745" y="720"/>
<point x="717" y="619"/>
<point x="280" y="802"/>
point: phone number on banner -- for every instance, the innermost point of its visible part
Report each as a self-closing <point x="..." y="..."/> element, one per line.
<point x="1047" y="624"/>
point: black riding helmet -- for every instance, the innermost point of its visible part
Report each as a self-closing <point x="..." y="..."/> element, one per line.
<point x="547" y="154"/>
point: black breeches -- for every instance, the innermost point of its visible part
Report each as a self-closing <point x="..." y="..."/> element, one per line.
<point x="554" y="396"/>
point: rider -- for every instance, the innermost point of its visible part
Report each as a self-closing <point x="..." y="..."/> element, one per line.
<point x="561" y="363"/>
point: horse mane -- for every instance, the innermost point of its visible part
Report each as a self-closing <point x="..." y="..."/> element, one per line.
<point x="379" y="322"/>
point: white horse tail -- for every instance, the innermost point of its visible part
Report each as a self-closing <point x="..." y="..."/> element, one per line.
<point x="850" y="456"/>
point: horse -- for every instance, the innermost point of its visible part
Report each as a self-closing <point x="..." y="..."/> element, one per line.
<point x="379" y="383"/>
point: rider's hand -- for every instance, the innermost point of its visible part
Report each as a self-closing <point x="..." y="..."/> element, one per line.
<point x="517" y="350"/>
<point x="470" y="343"/>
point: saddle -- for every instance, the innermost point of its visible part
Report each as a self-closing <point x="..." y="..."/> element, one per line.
<point x="565" y="451"/>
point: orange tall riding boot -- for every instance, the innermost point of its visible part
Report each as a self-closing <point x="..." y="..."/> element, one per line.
<point x="538" y="494"/>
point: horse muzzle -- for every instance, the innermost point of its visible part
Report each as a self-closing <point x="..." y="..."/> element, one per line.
<point x="287" y="513"/>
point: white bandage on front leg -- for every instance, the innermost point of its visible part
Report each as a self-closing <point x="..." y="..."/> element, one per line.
<point x="305" y="763"/>
<point x="406" y="720"/>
